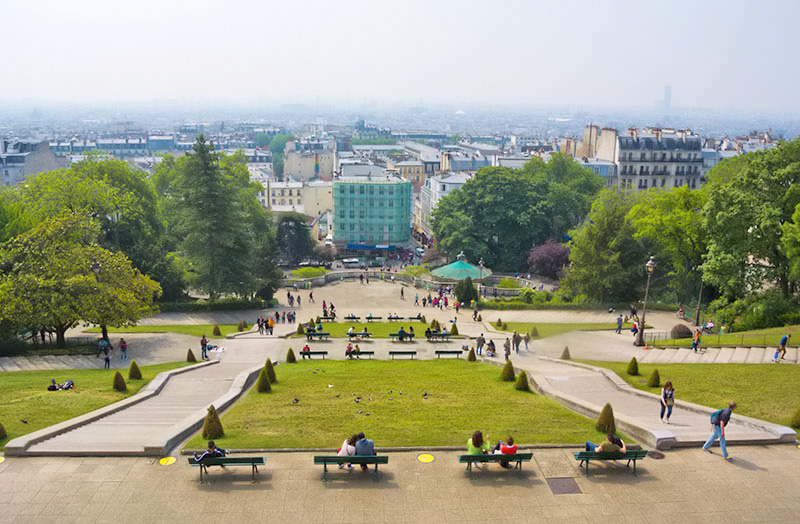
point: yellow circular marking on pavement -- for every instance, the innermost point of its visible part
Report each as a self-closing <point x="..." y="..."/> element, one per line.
<point x="3" y="459"/>
<point x="166" y="461"/>
<point x="426" y="458"/>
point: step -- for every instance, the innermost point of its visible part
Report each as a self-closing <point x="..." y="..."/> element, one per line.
<point x="694" y="358"/>
<point x="648" y="356"/>
<point x="724" y="356"/>
<point x="23" y="363"/>
<point x="681" y="355"/>
<point x="739" y="355"/>
<point x="55" y="362"/>
<point x="709" y="355"/>
<point x="756" y="355"/>
<point x="38" y="362"/>
<point x="664" y="355"/>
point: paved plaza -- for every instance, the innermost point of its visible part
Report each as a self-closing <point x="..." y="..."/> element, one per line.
<point x="687" y="485"/>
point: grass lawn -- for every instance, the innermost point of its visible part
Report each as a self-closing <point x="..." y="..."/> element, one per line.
<point x="309" y="272"/>
<point x="197" y="330"/>
<point x="765" y="391"/>
<point x="463" y="397"/>
<point x="556" y="328"/>
<point x="756" y="337"/>
<point x="378" y="329"/>
<point x="25" y="395"/>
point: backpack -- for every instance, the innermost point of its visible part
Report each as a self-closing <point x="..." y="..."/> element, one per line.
<point x="715" y="417"/>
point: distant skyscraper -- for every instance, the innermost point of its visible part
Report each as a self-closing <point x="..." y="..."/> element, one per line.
<point x="667" y="98"/>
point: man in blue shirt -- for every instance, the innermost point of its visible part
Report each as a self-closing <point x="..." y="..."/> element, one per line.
<point x="719" y="420"/>
<point x="781" y="355"/>
<point x="364" y="446"/>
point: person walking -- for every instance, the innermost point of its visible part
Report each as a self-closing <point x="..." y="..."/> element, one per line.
<point x="527" y="339"/>
<point x="619" y="325"/>
<point x="107" y="356"/>
<point x="507" y="348"/>
<point x="517" y="339"/>
<point x="719" y="421"/>
<point x="696" y="340"/>
<point x="402" y="294"/>
<point x="667" y="400"/>
<point x="416" y="299"/>
<point x="782" y="348"/>
<point x="479" y="342"/>
<point x="123" y="349"/>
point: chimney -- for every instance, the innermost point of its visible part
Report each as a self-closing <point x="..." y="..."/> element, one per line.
<point x="632" y="131"/>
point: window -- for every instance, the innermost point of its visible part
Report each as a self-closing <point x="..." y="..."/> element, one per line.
<point x="282" y="192"/>
<point x="299" y="202"/>
<point x="391" y="203"/>
<point x="273" y="201"/>
<point x="380" y="190"/>
<point x="361" y="190"/>
<point x="341" y="213"/>
<point x="352" y="213"/>
<point x="352" y="189"/>
<point x="290" y="202"/>
<point x="642" y="156"/>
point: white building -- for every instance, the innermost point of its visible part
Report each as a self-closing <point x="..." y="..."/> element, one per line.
<point x="21" y="158"/>
<point x="435" y="188"/>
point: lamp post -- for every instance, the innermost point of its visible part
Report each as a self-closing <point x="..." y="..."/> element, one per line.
<point x="480" y="264"/>
<point x="699" y="298"/>
<point x="650" y="266"/>
<point x="96" y="270"/>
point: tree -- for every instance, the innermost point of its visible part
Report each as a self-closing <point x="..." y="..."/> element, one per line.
<point x="294" y="237"/>
<point x="47" y="279"/>
<point x="750" y="223"/>
<point x="277" y="146"/>
<point x="465" y="291"/>
<point x="606" y="262"/>
<point x="548" y="259"/>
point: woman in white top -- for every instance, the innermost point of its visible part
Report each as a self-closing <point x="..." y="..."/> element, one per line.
<point x="348" y="449"/>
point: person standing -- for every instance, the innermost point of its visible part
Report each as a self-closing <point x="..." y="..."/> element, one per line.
<point x="517" y="339"/>
<point x="719" y="421"/>
<point x="402" y="293"/>
<point x="782" y="348"/>
<point x="696" y="340"/>
<point x="107" y="356"/>
<point x="364" y="446"/>
<point x="416" y="299"/>
<point x="203" y="348"/>
<point x="619" y="325"/>
<point x="479" y="342"/>
<point x="123" y="349"/>
<point x="507" y="348"/>
<point x="667" y="400"/>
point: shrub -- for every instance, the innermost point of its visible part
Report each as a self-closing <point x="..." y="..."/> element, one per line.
<point x="509" y="283"/>
<point x="548" y="259"/>
<point x="605" y="422"/>
<point x="471" y="355"/>
<point x="190" y="357"/>
<point x="290" y="356"/>
<point x="508" y="372"/>
<point x="212" y="426"/>
<point x="534" y="332"/>
<point x="3" y="433"/>
<point x="216" y="332"/>
<point x="454" y="330"/>
<point x="423" y="319"/>
<point x="480" y="318"/>
<point x="565" y="354"/>
<point x="522" y="382"/>
<point x="435" y="325"/>
<point x="795" y="422"/>
<point x="633" y="367"/>
<point x="134" y="373"/>
<point x="680" y="331"/>
<point x="300" y="330"/>
<point x="119" y="383"/>
<point x="499" y="323"/>
<point x="264" y="385"/>
<point x="505" y="326"/>
<point x="317" y="320"/>
<point x="270" y="371"/>
<point x="655" y="380"/>
<point x="242" y="326"/>
<point x="465" y="291"/>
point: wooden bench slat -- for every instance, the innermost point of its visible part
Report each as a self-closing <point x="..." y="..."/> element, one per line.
<point x="519" y="458"/>
<point x="355" y="459"/>
<point x="630" y="455"/>
<point x="204" y="464"/>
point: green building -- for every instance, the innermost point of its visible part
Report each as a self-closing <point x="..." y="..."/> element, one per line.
<point x="371" y="211"/>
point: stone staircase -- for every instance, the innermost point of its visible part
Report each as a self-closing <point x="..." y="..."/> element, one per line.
<point x="41" y="362"/>
<point x="717" y="355"/>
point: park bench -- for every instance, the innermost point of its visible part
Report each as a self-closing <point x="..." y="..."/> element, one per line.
<point x="433" y="337"/>
<point x="361" y="352"/>
<point x="311" y="353"/>
<point x="352" y="318"/>
<point x="254" y="462"/>
<point x="328" y="318"/>
<point x="456" y="352"/>
<point x="311" y="335"/>
<point x="408" y="337"/>
<point x="370" y="319"/>
<point x="358" y="335"/>
<point x="357" y="459"/>
<point x="391" y="319"/>
<point x="519" y="458"/>
<point x="630" y="455"/>
<point x="399" y="353"/>
<point x="418" y="317"/>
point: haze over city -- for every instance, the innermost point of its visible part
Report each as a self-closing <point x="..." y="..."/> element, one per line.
<point x="721" y="56"/>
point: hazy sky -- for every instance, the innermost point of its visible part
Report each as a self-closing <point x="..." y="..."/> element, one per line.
<point x="732" y="54"/>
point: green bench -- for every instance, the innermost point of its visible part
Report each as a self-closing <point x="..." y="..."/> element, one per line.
<point x="328" y="318"/>
<point x="630" y="455"/>
<point x="254" y="462"/>
<point x="370" y="319"/>
<point x="456" y="352"/>
<point x="402" y="353"/>
<point x="357" y="459"/>
<point x="311" y="335"/>
<point x="519" y="458"/>
<point x="408" y="337"/>
<point x="309" y="353"/>
<point x="360" y="335"/>
<point x="433" y="337"/>
<point x="368" y="353"/>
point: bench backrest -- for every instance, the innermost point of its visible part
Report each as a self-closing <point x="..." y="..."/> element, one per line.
<point x="218" y="461"/>
<point x="498" y="457"/>
<point x="630" y="454"/>
<point x="356" y="459"/>
<point x="409" y="352"/>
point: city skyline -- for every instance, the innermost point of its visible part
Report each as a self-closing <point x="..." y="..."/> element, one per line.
<point x="614" y="54"/>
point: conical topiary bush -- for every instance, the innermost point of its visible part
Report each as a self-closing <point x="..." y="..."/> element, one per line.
<point x="3" y="433"/>
<point x="270" y="371"/>
<point x="242" y="326"/>
<point x="212" y="426"/>
<point x="534" y="332"/>
<point x="605" y="422"/>
<point x="119" y="383"/>
<point x="655" y="380"/>
<point x="633" y="367"/>
<point x="508" y="372"/>
<point x="134" y="373"/>
<point x="498" y="323"/>
<point x="300" y="330"/>
<point x="471" y="355"/>
<point x="263" y="385"/>
<point x="795" y="422"/>
<point x="522" y="382"/>
<point x="216" y="332"/>
<point x="454" y="330"/>
<point x="190" y="356"/>
<point x="565" y="353"/>
<point x="290" y="358"/>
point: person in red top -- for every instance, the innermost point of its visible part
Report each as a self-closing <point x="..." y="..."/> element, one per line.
<point x="506" y="448"/>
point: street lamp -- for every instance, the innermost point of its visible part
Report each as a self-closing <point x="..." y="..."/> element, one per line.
<point x="96" y="270"/>
<point x="699" y="298"/>
<point x="650" y="266"/>
<point x="480" y="264"/>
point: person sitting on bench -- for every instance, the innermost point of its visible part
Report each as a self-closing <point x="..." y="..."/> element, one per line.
<point x="305" y="352"/>
<point x="351" y="331"/>
<point x="411" y="330"/>
<point x="349" y="351"/>
<point x="505" y="448"/>
<point x="319" y="327"/>
<point x="402" y="333"/>
<point x="477" y="445"/>
<point x="428" y="332"/>
<point x="212" y="451"/>
<point x="611" y="444"/>
<point x="364" y="332"/>
<point x="364" y="446"/>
